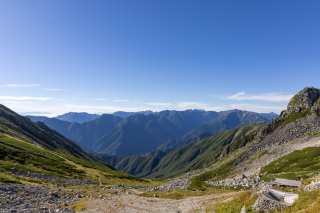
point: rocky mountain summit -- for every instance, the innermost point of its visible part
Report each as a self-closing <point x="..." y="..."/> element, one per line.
<point x="299" y="119"/>
<point x="307" y="99"/>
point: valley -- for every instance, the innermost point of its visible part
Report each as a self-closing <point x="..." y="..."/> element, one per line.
<point x="229" y="171"/>
<point x="159" y="106"/>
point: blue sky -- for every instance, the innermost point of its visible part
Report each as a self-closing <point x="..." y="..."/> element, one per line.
<point x="103" y="56"/>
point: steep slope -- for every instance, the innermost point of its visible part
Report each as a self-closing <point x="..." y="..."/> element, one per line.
<point x="140" y="165"/>
<point x="190" y="157"/>
<point x="77" y="117"/>
<point x="225" y="120"/>
<point x="235" y="150"/>
<point x="133" y="136"/>
<point x="87" y="133"/>
<point x="300" y="164"/>
<point x="32" y="150"/>
<point x="140" y="133"/>
<point x="37" y="133"/>
<point x="228" y="120"/>
<point x="297" y="128"/>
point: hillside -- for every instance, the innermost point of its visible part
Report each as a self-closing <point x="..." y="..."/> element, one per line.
<point x="247" y="159"/>
<point x="33" y="147"/>
<point x="22" y="128"/>
<point x="242" y="151"/>
<point x="236" y="158"/>
<point x="142" y="133"/>
<point x="297" y="127"/>
<point x="194" y="156"/>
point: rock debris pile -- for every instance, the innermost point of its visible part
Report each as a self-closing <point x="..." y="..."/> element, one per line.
<point x="33" y="199"/>
<point x="241" y="182"/>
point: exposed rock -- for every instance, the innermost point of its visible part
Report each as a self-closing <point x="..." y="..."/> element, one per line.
<point x="265" y="204"/>
<point x="313" y="186"/>
<point x="286" y="182"/>
<point x="51" y="178"/>
<point x="173" y="184"/>
<point x="27" y="199"/>
<point x="35" y="176"/>
<point x="299" y="129"/>
<point x="243" y="210"/>
<point x="242" y="182"/>
<point x="306" y="99"/>
<point x="271" y="200"/>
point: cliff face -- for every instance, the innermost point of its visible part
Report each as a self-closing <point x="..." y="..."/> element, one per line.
<point x="301" y="116"/>
<point x="300" y="119"/>
<point x="307" y="99"/>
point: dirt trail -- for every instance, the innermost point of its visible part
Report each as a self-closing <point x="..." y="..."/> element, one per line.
<point x="136" y="204"/>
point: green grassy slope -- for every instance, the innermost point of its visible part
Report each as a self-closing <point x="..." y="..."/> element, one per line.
<point x="300" y="164"/>
<point x="23" y="156"/>
<point x="193" y="156"/>
<point x="33" y="147"/>
<point x="28" y="157"/>
<point x="37" y="133"/>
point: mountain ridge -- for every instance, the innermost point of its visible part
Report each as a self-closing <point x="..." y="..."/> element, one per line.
<point x="301" y="119"/>
<point x="164" y="130"/>
<point x="33" y="150"/>
<point x="77" y="117"/>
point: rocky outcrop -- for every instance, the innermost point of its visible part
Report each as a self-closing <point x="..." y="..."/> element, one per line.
<point x="294" y="130"/>
<point x="178" y="183"/>
<point x="313" y="186"/>
<point x="306" y="99"/>
<point x="300" y="119"/>
<point x="265" y="204"/>
<point x="242" y="182"/>
<point x="271" y="200"/>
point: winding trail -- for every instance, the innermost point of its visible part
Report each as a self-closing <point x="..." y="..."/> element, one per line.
<point x="136" y="204"/>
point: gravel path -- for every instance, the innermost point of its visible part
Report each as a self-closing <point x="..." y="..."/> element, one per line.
<point x="136" y="204"/>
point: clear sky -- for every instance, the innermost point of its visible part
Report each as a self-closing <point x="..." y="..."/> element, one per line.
<point x="102" y="56"/>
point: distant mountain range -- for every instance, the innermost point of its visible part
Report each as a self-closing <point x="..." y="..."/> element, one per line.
<point x="78" y="117"/>
<point x="127" y="133"/>
<point x="197" y="155"/>
<point x="82" y="117"/>
<point x="236" y="150"/>
<point x="123" y="114"/>
<point x="202" y="149"/>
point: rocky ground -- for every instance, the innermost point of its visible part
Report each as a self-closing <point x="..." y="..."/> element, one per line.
<point x="135" y="204"/>
<point x="313" y="186"/>
<point x="16" y="198"/>
<point x="19" y="198"/>
<point x="238" y="183"/>
<point x="273" y="153"/>
<point x="35" y="198"/>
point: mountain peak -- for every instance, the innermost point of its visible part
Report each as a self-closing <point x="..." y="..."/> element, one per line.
<point x="306" y="99"/>
<point x="78" y="117"/>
